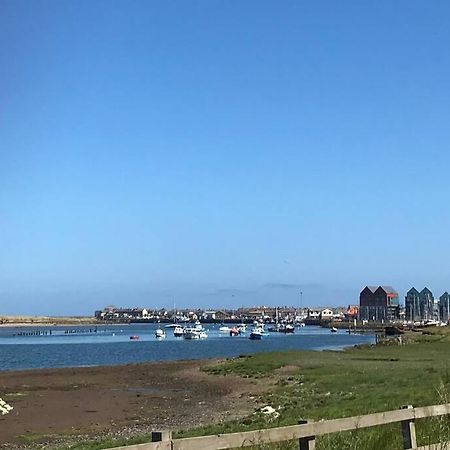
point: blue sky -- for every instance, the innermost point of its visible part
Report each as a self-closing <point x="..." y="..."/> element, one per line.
<point x="221" y="153"/>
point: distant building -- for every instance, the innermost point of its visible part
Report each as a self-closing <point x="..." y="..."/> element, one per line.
<point x="326" y="314"/>
<point x="222" y="315"/>
<point x="412" y="306"/>
<point x="427" y="309"/>
<point x="444" y="307"/>
<point x="379" y="303"/>
<point x="351" y="312"/>
<point x="312" y="314"/>
<point x="113" y="313"/>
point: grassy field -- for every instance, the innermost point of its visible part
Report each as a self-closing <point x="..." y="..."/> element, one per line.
<point x="324" y="385"/>
<point x="310" y="385"/>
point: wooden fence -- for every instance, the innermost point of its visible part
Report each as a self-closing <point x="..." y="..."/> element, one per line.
<point x="305" y="433"/>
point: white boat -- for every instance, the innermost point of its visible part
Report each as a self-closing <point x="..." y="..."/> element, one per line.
<point x="258" y="333"/>
<point x="191" y="333"/>
<point x="178" y="331"/>
<point x="160" y="333"/>
<point x="334" y="330"/>
<point x="224" y="329"/>
<point x="242" y="328"/>
<point x="288" y="328"/>
<point x="194" y="333"/>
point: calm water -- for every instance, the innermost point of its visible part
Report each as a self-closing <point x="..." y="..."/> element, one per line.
<point x="111" y="345"/>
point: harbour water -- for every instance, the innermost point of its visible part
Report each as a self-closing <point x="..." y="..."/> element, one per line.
<point x="35" y="347"/>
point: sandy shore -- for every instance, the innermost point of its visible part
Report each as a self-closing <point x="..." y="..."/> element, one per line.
<point x="26" y="321"/>
<point x="57" y="406"/>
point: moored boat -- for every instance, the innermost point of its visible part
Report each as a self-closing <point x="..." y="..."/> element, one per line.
<point x="258" y="333"/>
<point x="134" y="338"/>
<point x="191" y="333"/>
<point x="288" y="328"/>
<point x="160" y="333"/>
<point x="178" y="331"/>
<point x="234" y="331"/>
<point x="196" y="332"/>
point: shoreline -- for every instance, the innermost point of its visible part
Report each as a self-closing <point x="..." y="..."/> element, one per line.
<point x="17" y="321"/>
<point x="60" y="406"/>
<point x="59" y="324"/>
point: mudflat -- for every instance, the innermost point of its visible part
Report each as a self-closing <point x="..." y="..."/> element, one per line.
<point x="54" y="406"/>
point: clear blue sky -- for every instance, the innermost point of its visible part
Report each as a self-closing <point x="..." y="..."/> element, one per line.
<point x="221" y="152"/>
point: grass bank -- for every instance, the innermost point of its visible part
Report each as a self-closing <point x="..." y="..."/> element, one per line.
<point x="313" y="385"/>
<point x="362" y="380"/>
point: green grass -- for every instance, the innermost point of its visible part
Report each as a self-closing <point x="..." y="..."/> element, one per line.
<point x="103" y="443"/>
<point x="92" y="444"/>
<point x="363" y="380"/>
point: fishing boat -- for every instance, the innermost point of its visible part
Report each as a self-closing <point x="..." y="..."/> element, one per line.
<point x="160" y="333"/>
<point x="224" y="329"/>
<point x="334" y="330"/>
<point x="191" y="333"/>
<point x="134" y="338"/>
<point x="258" y="333"/>
<point x="234" y="331"/>
<point x="195" y="332"/>
<point x="178" y="331"/>
<point x="242" y="328"/>
<point x="288" y="328"/>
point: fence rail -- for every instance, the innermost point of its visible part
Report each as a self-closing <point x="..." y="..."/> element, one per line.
<point x="305" y="433"/>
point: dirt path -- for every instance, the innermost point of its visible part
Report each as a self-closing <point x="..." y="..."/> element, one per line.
<point x="117" y="400"/>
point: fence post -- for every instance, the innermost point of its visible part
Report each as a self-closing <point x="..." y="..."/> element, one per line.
<point x="409" y="432"/>
<point x="306" y="443"/>
<point x="160" y="436"/>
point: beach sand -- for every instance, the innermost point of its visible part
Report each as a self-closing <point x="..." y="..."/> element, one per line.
<point x="26" y="321"/>
<point x="54" y="406"/>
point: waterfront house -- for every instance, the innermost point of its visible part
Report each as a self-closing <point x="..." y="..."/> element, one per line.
<point x="444" y="307"/>
<point x="313" y="314"/>
<point x="222" y="315"/>
<point x="351" y="313"/>
<point x="112" y="313"/>
<point x="412" y="306"/>
<point x="427" y="306"/>
<point x="379" y="303"/>
<point x="327" y="314"/>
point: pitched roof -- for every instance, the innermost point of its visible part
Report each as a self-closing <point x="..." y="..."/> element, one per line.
<point x="425" y="289"/>
<point x="413" y="289"/>
<point x="389" y="289"/>
<point x="372" y="288"/>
